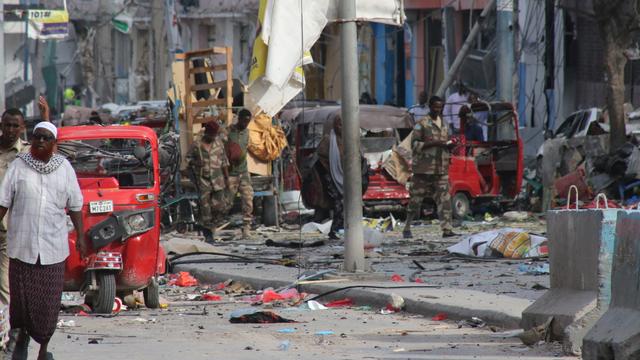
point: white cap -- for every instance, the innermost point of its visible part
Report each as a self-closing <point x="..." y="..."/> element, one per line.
<point x="48" y="126"/>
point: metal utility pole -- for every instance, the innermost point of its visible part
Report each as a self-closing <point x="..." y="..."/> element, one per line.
<point x="159" y="46"/>
<point x="354" y="244"/>
<point x="2" y="94"/>
<point x="504" y="60"/>
<point x="25" y="73"/>
<point x="453" y="70"/>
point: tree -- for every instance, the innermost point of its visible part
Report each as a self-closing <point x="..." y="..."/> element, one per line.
<point x="619" y="23"/>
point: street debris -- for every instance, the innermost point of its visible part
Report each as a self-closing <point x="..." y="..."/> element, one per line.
<point x="182" y="279"/>
<point x="65" y="324"/>
<point x="314" y="305"/>
<point x="284" y="345"/>
<point x="325" y="332"/>
<point x="440" y="317"/>
<point x="259" y="317"/>
<point x="506" y="242"/>
<point x="535" y="335"/>
<point x="396" y="303"/>
<point x="534" y="269"/>
<point x="474" y="322"/>
<point x="346" y="302"/>
<point x="287" y="331"/>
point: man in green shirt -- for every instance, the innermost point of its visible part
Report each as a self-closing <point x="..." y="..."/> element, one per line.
<point x="239" y="178"/>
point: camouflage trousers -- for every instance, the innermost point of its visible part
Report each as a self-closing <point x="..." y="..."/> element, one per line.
<point x="214" y="206"/>
<point x="242" y="184"/>
<point x="435" y="187"/>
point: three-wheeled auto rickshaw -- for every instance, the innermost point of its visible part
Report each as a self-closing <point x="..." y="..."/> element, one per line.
<point x="479" y="170"/>
<point x="118" y="171"/>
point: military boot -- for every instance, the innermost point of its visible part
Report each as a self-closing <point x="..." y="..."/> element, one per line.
<point x="246" y="231"/>
<point x="406" y="233"/>
<point x="208" y="235"/>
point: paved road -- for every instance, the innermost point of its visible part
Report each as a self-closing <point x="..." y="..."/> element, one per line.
<point x="187" y="333"/>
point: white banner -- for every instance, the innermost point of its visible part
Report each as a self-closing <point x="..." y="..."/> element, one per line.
<point x="283" y="27"/>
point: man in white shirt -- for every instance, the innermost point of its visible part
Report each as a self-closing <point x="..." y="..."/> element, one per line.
<point x="452" y="107"/>
<point x="37" y="189"/>
<point x="421" y="109"/>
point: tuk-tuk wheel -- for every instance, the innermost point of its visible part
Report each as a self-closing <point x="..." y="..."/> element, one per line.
<point x="461" y="206"/>
<point x="105" y="296"/>
<point x="152" y="294"/>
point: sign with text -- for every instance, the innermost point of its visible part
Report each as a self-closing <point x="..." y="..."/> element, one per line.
<point x="48" y="24"/>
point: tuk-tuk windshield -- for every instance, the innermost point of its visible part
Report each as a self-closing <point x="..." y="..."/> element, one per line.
<point x="504" y="128"/>
<point x="113" y="157"/>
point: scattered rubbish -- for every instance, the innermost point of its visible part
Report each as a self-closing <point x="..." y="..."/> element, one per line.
<point x="143" y="320"/>
<point x="506" y="242"/>
<point x="312" y="227"/>
<point x="396" y="303"/>
<point x="183" y="279"/>
<point x="65" y="324"/>
<point x="269" y="295"/>
<point x="537" y="334"/>
<point x="130" y="301"/>
<point x="236" y="287"/>
<point x="346" y="302"/>
<point x="76" y="309"/>
<point x="372" y="238"/>
<point x="259" y="317"/>
<point x="287" y="331"/>
<point x="397" y="278"/>
<point x="387" y="311"/>
<point x="381" y="224"/>
<point x="325" y="332"/>
<point x="516" y="215"/>
<point x="211" y="297"/>
<point x="440" y="317"/>
<point x="418" y="280"/>
<point x="488" y="217"/>
<point x="284" y="346"/>
<point x="534" y="269"/>
<point x="537" y="286"/>
<point x="294" y="244"/>
<point x="314" y="305"/>
<point x="363" y="308"/>
<point x="117" y="306"/>
<point x="474" y="322"/>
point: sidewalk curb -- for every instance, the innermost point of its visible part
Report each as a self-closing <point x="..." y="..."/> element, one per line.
<point x="375" y="298"/>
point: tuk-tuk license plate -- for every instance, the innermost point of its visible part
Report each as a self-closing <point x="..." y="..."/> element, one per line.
<point x="98" y="207"/>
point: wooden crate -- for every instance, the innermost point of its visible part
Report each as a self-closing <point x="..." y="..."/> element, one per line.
<point x="193" y="108"/>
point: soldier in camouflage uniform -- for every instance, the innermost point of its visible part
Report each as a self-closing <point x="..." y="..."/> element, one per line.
<point x="239" y="178"/>
<point x="430" y="161"/>
<point x="208" y="160"/>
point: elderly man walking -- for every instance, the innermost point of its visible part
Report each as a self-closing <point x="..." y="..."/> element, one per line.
<point x="37" y="190"/>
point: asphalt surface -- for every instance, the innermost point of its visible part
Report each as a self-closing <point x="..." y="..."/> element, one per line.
<point x="186" y="332"/>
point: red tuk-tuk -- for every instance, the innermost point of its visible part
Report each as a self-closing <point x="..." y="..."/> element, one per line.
<point x="118" y="172"/>
<point x="479" y="170"/>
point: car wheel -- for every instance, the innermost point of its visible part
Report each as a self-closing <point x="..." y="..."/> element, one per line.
<point x="105" y="296"/>
<point x="152" y="294"/>
<point x="461" y="206"/>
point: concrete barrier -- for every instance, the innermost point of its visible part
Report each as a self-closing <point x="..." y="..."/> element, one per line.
<point x="580" y="247"/>
<point x="616" y="335"/>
